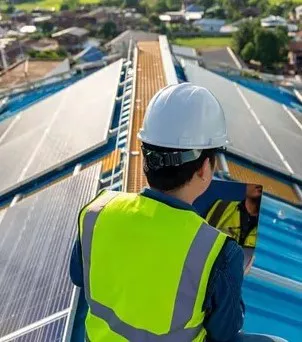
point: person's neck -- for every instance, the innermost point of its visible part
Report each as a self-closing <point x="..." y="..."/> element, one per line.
<point x="252" y="206"/>
<point x="182" y="194"/>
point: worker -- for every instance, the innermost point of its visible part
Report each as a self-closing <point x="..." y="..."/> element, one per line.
<point x="239" y="219"/>
<point x="153" y="270"/>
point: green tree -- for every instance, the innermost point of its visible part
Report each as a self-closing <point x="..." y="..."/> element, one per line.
<point x="69" y="5"/>
<point x="111" y="2"/>
<point x="109" y="30"/>
<point x="174" y="4"/>
<point x="131" y="3"/>
<point x="271" y="46"/>
<point x="154" y="19"/>
<point x="64" y="7"/>
<point x="244" y="34"/>
<point x="205" y="3"/>
<point x="10" y="9"/>
<point x="248" y="52"/>
<point x="160" y="6"/>
<point x="47" y="27"/>
<point x="233" y="8"/>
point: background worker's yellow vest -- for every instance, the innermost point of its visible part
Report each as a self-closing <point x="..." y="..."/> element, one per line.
<point x="146" y="269"/>
<point x="229" y="222"/>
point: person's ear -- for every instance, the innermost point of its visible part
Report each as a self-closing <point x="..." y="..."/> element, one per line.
<point x="201" y="173"/>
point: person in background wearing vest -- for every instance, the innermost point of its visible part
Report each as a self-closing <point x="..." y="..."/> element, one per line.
<point x="238" y="219"/>
<point x="152" y="269"/>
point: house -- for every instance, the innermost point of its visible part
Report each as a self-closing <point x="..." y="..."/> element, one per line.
<point x="38" y="21"/>
<point x="88" y="55"/>
<point x="11" y="51"/>
<point x="194" y="8"/>
<point x="209" y="24"/>
<point x="295" y="54"/>
<point x="120" y="44"/>
<point x="273" y="21"/>
<point x="298" y="12"/>
<point x="66" y="19"/>
<point x="41" y="45"/>
<point x="72" y="39"/>
<point x="28" y="29"/>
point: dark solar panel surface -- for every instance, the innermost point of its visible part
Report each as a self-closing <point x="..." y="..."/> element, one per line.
<point x="37" y="235"/>
<point x="244" y="133"/>
<point x="61" y="127"/>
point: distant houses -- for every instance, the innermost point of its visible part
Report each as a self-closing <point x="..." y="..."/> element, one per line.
<point x="72" y="39"/>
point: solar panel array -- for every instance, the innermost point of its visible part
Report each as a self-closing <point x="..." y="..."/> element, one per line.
<point x="37" y="237"/>
<point x="59" y="128"/>
<point x="258" y="127"/>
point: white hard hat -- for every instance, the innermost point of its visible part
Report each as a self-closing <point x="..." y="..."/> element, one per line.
<point x="184" y="116"/>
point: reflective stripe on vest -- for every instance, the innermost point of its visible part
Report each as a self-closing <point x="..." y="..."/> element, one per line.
<point x="189" y="282"/>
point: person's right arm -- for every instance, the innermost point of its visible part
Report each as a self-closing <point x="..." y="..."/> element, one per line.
<point x="224" y="305"/>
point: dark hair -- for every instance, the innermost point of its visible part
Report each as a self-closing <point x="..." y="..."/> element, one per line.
<point x="173" y="177"/>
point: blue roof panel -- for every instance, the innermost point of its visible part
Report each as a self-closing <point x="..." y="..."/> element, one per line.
<point x="280" y="239"/>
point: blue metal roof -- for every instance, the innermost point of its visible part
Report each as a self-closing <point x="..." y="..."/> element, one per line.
<point x="274" y="308"/>
<point x="90" y="54"/>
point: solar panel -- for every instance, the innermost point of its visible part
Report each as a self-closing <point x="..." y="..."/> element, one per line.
<point x="244" y="133"/>
<point x="37" y="237"/>
<point x="70" y="123"/>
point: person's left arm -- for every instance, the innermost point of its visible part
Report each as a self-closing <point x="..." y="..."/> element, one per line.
<point x="76" y="265"/>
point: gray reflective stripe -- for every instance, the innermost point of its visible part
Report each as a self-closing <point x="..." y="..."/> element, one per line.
<point x="187" y="290"/>
<point x="191" y="274"/>
<point x="93" y="211"/>
<point x="139" y="335"/>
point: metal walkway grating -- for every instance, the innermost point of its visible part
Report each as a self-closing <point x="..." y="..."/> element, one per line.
<point x="150" y="78"/>
<point x="271" y="185"/>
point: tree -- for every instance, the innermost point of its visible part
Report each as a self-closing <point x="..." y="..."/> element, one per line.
<point x="244" y="34"/>
<point x="69" y="5"/>
<point x="174" y="4"/>
<point x="111" y="2"/>
<point x="131" y="3"/>
<point x="248" y="52"/>
<point x="47" y="27"/>
<point x="154" y="19"/>
<point x="233" y="7"/>
<point x="64" y="7"/>
<point x="160" y="6"/>
<point x="10" y="9"/>
<point x="205" y="3"/>
<point x="269" y="47"/>
<point x="109" y="29"/>
<point x="266" y="44"/>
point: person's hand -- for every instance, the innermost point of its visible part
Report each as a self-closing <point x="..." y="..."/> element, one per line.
<point x="249" y="265"/>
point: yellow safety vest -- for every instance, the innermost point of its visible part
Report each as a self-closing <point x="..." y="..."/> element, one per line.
<point x="226" y="217"/>
<point x="146" y="269"/>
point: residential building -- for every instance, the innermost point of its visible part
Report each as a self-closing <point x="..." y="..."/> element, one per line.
<point x="11" y="51"/>
<point x="88" y="55"/>
<point x="210" y="25"/>
<point x="73" y="39"/>
<point x="273" y="21"/>
<point x="295" y="55"/>
<point x="41" y="45"/>
<point x="120" y="44"/>
<point x="298" y="12"/>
